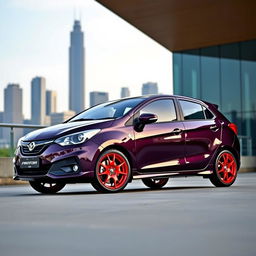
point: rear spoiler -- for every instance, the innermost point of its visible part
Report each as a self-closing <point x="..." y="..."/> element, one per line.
<point x="216" y="106"/>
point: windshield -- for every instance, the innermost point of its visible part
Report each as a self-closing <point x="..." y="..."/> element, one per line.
<point x="108" y="110"/>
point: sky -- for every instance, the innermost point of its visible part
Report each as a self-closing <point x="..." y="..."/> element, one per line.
<point x="34" y="41"/>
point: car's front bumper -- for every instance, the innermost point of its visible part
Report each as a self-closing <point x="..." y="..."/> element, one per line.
<point x="69" y="163"/>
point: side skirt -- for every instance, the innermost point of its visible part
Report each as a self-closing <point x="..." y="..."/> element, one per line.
<point x="170" y="174"/>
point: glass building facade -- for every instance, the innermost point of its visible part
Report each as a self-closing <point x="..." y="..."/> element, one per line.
<point x="224" y="75"/>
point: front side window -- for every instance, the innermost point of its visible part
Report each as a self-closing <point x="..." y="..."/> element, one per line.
<point x="192" y="110"/>
<point x="164" y="109"/>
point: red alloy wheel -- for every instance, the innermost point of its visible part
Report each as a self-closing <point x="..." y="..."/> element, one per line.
<point x="226" y="167"/>
<point x="112" y="171"/>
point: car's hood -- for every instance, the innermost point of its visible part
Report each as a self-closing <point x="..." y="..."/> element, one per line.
<point x="58" y="130"/>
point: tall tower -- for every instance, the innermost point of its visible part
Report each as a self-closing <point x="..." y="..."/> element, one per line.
<point x="51" y="102"/>
<point x="149" y="88"/>
<point x="97" y="98"/>
<point x="38" y="106"/>
<point x="76" y="69"/>
<point x="13" y="109"/>
<point x="125" y="92"/>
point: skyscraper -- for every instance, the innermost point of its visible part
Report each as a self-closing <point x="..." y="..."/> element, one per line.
<point x="58" y="118"/>
<point x="38" y="93"/>
<point x="13" y="109"/>
<point x="125" y="92"/>
<point x="1" y="121"/>
<point x="149" y="88"/>
<point x="97" y="98"/>
<point x="51" y="102"/>
<point x="76" y="69"/>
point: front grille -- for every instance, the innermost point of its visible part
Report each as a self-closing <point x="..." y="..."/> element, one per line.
<point x="39" y="147"/>
<point x="33" y="172"/>
<point x="36" y="151"/>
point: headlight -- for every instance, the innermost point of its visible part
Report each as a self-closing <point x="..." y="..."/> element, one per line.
<point x="76" y="138"/>
<point x="19" y="141"/>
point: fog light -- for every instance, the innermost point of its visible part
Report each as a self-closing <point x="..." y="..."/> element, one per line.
<point x="75" y="168"/>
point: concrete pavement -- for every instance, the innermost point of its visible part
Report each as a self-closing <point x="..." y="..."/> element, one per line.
<point x="187" y="217"/>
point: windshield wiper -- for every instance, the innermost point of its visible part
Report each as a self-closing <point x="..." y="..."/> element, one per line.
<point x="90" y="119"/>
<point x="105" y="118"/>
<point x="82" y="119"/>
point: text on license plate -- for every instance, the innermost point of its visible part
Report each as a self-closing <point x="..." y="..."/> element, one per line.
<point x="29" y="163"/>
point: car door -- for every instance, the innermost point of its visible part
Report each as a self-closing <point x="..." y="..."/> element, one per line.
<point x="203" y="134"/>
<point x="160" y="146"/>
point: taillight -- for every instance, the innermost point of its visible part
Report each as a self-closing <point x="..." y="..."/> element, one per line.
<point x="233" y="127"/>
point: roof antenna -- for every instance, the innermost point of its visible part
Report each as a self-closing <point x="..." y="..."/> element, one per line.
<point x="74" y="12"/>
<point x="80" y="15"/>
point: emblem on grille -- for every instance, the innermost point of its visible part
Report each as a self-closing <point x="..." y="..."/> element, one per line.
<point x="31" y="146"/>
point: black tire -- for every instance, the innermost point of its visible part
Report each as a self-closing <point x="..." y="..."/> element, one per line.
<point x="46" y="187"/>
<point x="112" y="172"/>
<point x="225" y="170"/>
<point x="155" y="183"/>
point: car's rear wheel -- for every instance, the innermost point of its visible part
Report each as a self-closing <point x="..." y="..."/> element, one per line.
<point x="112" y="172"/>
<point x="225" y="171"/>
<point x="46" y="187"/>
<point x="155" y="183"/>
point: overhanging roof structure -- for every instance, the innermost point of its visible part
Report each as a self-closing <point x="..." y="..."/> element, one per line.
<point x="188" y="24"/>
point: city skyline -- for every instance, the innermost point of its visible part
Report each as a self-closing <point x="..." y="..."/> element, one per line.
<point x="117" y="53"/>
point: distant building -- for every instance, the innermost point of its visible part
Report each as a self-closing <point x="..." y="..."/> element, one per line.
<point x="27" y="130"/>
<point x="76" y="69"/>
<point x="149" y="88"/>
<point x="58" y="118"/>
<point x="13" y="110"/>
<point x="51" y="102"/>
<point x="125" y="92"/>
<point x="38" y="93"/>
<point x="97" y="98"/>
<point x="1" y="121"/>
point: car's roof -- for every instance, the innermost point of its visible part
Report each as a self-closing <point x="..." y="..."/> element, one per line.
<point x="156" y="96"/>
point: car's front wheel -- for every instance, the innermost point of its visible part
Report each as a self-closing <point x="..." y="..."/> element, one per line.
<point x="46" y="187"/>
<point x="112" y="172"/>
<point x="155" y="183"/>
<point x="225" y="171"/>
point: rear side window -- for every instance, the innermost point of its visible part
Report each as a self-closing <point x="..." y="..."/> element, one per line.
<point x="208" y="113"/>
<point x="164" y="109"/>
<point x="192" y="110"/>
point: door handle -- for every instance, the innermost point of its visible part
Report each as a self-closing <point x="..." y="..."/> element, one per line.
<point x="176" y="131"/>
<point x="214" y="127"/>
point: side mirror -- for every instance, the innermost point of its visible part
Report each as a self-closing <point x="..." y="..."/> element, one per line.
<point x="142" y="120"/>
<point x="147" y="118"/>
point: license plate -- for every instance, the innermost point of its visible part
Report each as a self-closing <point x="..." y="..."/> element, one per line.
<point x="27" y="163"/>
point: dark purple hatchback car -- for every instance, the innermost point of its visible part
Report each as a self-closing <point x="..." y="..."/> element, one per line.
<point x="150" y="138"/>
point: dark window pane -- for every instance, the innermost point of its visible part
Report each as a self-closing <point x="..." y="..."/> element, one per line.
<point x="230" y="83"/>
<point x="208" y="113"/>
<point x="164" y="109"/>
<point x="191" y="73"/>
<point x="191" y="110"/>
<point x="177" y="73"/>
<point x="210" y="74"/>
<point x="248" y="79"/>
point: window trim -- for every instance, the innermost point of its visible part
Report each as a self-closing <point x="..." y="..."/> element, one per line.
<point x="202" y="104"/>
<point x="176" y="108"/>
